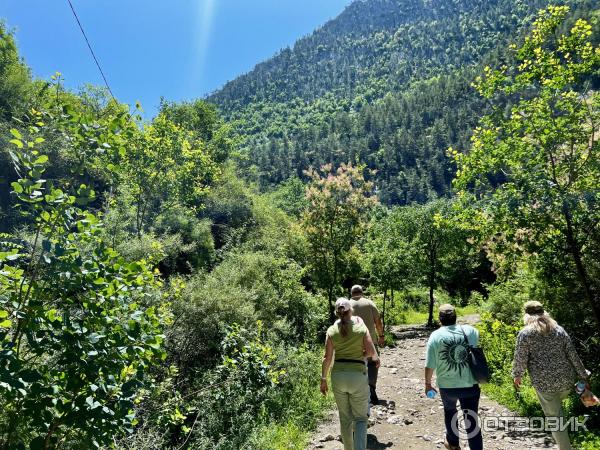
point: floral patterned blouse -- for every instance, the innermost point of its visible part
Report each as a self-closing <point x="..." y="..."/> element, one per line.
<point x="551" y="360"/>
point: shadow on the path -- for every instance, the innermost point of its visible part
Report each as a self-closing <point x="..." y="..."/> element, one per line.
<point x="403" y="332"/>
<point x="374" y="444"/>
<point x="521" y="435"/>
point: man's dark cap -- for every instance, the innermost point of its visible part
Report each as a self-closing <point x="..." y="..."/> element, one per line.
<point x="447" y="310"/>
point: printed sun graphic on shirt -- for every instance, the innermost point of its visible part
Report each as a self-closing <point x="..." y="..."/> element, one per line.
<point x="454" y="354"/>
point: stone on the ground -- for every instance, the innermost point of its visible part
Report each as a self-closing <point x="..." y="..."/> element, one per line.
<point x="327" y="438"/>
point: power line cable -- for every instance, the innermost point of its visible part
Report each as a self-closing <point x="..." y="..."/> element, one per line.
<point x="87" y="41"/>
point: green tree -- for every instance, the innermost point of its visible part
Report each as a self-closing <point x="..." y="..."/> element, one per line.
<point x="431" y="244"/>
<point x="165" y="166"/>
<point x="79" y="327"/>
<point x="334" y="220"/>
<point x="536" y="168"/>
<point x="15" y="80"/>
<point x="290" y="196"/>
<point x="203" y="119"/>
<point x="389" y="256"/>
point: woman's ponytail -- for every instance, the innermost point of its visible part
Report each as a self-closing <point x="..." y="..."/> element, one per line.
<point x="345" y="317"/>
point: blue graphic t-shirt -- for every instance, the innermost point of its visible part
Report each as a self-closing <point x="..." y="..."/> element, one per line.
<point x="447" y="355"/>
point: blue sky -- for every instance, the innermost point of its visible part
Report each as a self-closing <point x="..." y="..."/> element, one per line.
<point x="179" y="49"/>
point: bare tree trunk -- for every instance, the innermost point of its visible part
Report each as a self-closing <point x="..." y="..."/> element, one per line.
<point x="384" y="302"/>
<point x="584" y="279"/>
<point x="330" y="299"/>
<point x="432" y="272"/>
<point x="431" y="302"/>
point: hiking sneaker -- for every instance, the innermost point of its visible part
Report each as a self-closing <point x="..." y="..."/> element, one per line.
<point x="449" y="446"/>
<point x="374" y="398"/>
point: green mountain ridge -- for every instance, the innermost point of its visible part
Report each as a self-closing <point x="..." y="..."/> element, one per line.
<point x="386" y="83"/>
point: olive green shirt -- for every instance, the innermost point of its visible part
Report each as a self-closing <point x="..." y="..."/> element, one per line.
<point x="348" y="347"/>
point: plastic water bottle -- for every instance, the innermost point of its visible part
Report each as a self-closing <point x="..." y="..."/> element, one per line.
<point x="580" y="387"/>
<point x="431" y="393"/>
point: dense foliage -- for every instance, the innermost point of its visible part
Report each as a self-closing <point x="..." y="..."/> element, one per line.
<point x="386" y="84"/>
<point x="80" y="325"/>
<point x="536" y="168"/>
<point x="529" y="185"/>
<point x="154" y="295"/>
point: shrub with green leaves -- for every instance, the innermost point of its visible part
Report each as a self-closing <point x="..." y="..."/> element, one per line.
<point x="260" y="396"/>
<point x="506" y="298"/>
<point x="229" y="402"/>
<point x="79" y="326"/>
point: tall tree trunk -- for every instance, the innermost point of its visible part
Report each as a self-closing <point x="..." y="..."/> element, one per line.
<point x="332" y="289"/>
<point x="392" y="298"/>
<point x="331" y="308"/>
<point x="432" y="272"/>
<point x="590" y="294"/>
<point x="431" y="302"/>
<point x="384" y="302"/>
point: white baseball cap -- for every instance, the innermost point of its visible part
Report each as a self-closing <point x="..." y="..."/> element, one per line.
<point x="343" y="304"/>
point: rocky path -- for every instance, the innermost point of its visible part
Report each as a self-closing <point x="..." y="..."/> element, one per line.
<point x="407" y="419"/>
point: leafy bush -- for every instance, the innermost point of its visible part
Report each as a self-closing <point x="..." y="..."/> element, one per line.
<point x="259" y="396"/>
<point x="245" y="287"/>
<point x="241" y="384"/>
<point x="197" y="247"/>
<point x="263" y="389"/>
<point x="506" y="299"/>
<point x="79" y="326"/>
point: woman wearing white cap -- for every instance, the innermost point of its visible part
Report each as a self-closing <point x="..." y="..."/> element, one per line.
<point x="349" y="339"/>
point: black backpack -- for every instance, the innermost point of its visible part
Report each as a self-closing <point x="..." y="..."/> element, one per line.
<point x="477" y="362"/>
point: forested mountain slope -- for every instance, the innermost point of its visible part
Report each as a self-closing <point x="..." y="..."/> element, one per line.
<point x="151" y="298"/>
<point x="386" y="83"/>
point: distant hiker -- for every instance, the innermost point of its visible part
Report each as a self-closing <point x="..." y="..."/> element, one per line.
<point x="348" y="338"/>
<point x="545" y="349"/>
<point x="368" y="312"/>
<point x="447" y="357"/>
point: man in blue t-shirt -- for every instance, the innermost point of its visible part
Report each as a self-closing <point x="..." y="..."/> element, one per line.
<point x="447" y="352"/>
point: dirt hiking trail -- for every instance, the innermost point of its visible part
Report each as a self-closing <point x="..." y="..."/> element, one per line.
<point x="406" y="419"/>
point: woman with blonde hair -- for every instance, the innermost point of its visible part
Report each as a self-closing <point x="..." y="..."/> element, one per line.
<point x="349" y="342"/>
<point x="545" y="350"/>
